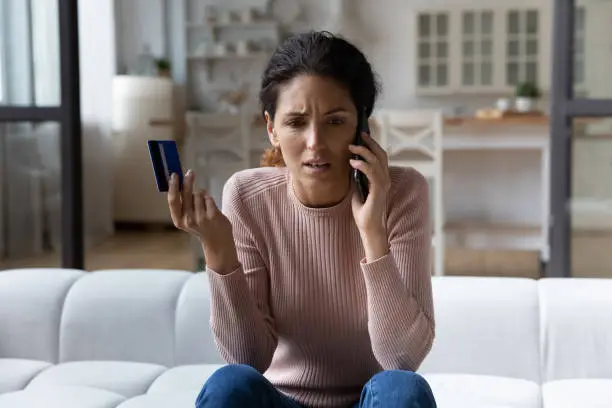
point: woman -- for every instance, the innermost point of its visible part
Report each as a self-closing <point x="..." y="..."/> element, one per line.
<point x="327" y="295"/>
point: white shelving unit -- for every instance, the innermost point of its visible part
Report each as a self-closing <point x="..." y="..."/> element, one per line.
<point x="223" y="54"/>
<point x="225" y="47"/>
<point x="235" y="24"/>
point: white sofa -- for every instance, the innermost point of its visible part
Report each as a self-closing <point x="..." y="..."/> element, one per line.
<point x="140" y="339"/>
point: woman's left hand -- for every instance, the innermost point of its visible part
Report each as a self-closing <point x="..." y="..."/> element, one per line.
<point x="370" y="216"/>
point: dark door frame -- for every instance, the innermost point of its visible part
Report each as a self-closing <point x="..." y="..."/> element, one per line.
<point x="68" y="115"/>
<point x="564" y="108"/>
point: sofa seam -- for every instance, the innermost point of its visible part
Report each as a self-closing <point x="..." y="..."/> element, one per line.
<point x="175" y="322"/>
<point x="82" y="274"/>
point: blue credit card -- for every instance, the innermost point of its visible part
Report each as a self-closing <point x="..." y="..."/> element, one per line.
<point x="165" y="159"/>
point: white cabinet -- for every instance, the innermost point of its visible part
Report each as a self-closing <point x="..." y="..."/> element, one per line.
<point x="433" y="50"/>
<point x="522" y="47"/>
<point x="481" y="50"/>
<point x="579" y="47"/>
<point x="477" y="45"/>
<point x="137" y="101"/>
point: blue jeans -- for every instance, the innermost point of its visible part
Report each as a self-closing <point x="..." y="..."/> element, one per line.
<point x="242" y="386"/>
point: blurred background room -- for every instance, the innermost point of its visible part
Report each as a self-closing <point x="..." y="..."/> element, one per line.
<point x="467" y="96"/>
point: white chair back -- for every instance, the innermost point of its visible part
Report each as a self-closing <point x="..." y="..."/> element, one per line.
<point x="219" y="139"/>
<point x="413" y="138"/>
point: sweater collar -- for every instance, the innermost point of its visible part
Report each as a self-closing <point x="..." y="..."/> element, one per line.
<point x="341" y="208"/>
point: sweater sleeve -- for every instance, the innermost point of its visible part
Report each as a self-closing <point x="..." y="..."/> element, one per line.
<point x="398" y="285"/>
<point x="241" y="320"/>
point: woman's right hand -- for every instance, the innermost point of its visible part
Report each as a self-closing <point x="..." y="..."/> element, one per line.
<point x="197" y="214"/>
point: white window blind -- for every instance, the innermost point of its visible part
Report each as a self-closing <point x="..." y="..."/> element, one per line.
<point x="2" y="55"/>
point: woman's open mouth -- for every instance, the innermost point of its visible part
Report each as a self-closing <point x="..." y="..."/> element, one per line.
<point x="317" y="166"/>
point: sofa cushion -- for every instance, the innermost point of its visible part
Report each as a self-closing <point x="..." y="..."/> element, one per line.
<point x="195" y="343"/>
<point x="61" y="397"/>
<point x="583" y="393"/>
<point x="15" y="374"/>
<point x="576" y="328"/>
<point x="30" y="311"/>
<point x="485" y="326"/>
<point x="122" y="378"/>
<point x="185" y="378"/>
<point x="479" y="391"/>
<point x="174" y="400"/>
<point x="122" y="315"/>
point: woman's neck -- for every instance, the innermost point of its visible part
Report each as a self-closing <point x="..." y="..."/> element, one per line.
<point x="317" y="195"/>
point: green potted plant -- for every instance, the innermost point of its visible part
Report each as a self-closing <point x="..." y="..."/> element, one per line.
<point x="527" y="95"/>
<point x="163" y="67"/>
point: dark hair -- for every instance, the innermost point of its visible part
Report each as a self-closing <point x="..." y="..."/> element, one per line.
<point x="323" y="54"/>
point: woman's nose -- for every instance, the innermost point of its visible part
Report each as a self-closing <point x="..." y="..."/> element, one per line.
<point x="313" y="137"/>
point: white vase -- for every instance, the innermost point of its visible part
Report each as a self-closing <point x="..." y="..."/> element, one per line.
<point x="522" y="104"/>
<point x="503" y="104"/>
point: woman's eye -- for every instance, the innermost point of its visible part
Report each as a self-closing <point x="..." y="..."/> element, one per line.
<point x="295" y="123"/>
<point x="336" y="121"/>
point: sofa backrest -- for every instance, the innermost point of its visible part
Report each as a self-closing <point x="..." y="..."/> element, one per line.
<point x="124" y="315"/>
<point x="31" y="304"/>
<point x="488" y="326"/>
<point x="576" y="328"/>
<point x="485" y="325"/>
<point x="151" y="316"/>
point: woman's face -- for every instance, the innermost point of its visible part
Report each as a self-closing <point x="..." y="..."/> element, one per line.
<point x="314" y="124"/>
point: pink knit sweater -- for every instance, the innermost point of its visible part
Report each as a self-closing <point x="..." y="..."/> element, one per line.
<point x="305" y="308"/>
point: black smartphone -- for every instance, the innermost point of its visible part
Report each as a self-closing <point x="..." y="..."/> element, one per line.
<point x="361" y="180"/>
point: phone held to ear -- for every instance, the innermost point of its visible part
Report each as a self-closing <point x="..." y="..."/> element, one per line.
<point x="165" y="159"/>
<point x="361" y="180"/>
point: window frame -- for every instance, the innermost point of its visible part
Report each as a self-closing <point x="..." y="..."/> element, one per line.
<point x="68" y="113"/>
<point x="565" y="107"/>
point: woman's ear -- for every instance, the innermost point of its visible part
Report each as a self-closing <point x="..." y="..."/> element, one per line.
<point x="270" y="129"/>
